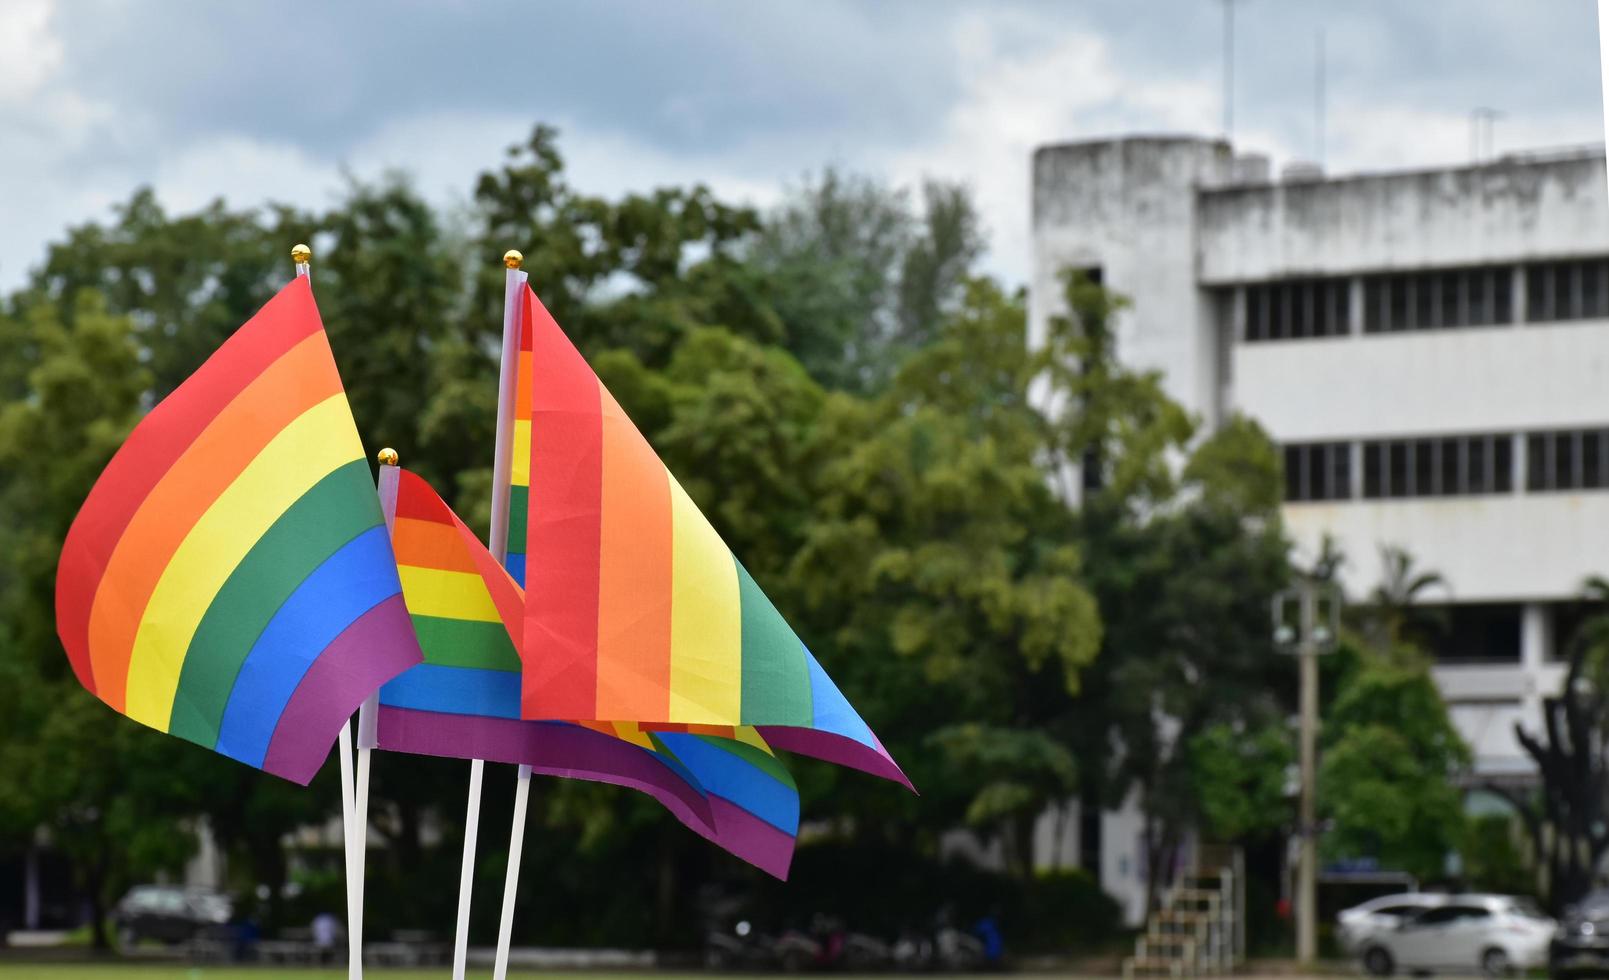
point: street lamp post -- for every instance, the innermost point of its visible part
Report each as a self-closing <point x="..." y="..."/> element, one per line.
<point x="1306" y="623"/>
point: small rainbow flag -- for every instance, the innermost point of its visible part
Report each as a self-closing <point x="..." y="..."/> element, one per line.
<point x="636" y="608"/>
<point x="464" y="700"/>
<point x="229" y="579"/>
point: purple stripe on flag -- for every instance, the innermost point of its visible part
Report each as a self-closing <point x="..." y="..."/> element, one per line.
<point x="837" y="749"/>
<point x="549" y="747"/>
<point x="376" y="647"/>
<point x="750" y="838"/>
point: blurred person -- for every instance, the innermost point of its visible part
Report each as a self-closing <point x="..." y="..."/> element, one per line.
<point x="326" y="933"/>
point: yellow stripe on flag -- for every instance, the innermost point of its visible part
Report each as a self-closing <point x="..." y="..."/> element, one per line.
<point x="447" y="595"/>
<point x="520" y="469"/>
<point x="629" y="732"/>
<point x="706" y="620"/>
<point x="748" y="735"/>
<point x="303" y="453"/>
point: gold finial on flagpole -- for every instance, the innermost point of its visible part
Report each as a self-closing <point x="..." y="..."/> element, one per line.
<point x="387" y="456"/>
<point x="513" y="259"/>
<point x="301" y="254"/>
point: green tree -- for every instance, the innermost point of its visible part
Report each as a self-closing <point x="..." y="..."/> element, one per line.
<point x="1182" y="563"/>
<point x="1396" y="619"/>
<point x="184" y="282"/>
<point x="940" y="577"/>
<point x="861" y="277"/>
<point x="103" y="788"/>
<point x="1241" y="779"/>
<point x="1388" y="774"/>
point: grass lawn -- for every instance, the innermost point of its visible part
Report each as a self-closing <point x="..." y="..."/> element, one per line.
<point x="179" y="971"/>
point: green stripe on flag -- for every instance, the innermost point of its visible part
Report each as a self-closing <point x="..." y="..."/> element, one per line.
<point x="465" y="643"/>
<point x="337" y="509"/>
<point x="776" y="680"/>
<point x="763" y="761"/>
<point x="518" y="500"/>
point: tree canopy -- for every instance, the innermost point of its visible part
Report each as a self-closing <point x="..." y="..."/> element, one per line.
<point x="857" y="409"/>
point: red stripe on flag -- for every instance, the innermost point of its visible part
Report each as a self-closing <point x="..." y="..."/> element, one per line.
<point x="152" y="449"/>
<point x="560" y="652"/>
<point x="418" y="501"/>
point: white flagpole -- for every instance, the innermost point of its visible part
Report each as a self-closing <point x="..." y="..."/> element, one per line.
<point x="303" y="257"/>
<point x="368" y="721"/>
<point x="466" y="873"/>
<point x="511" y="880"/>
<point x="354" y="947"/>
<point x="502" y="471"/>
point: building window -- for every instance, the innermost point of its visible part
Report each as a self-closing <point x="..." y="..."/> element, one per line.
<point x="1292" y="309"/>
<point x="1567" y="290"/>
<point x="1468" y="632"/>
<point x="1571" y="459"/>
<point x="1445" y="467"/>
<point x="1318" y="471"/>
<point x="1568" y="620"/>
<point x="1474" y="297"/>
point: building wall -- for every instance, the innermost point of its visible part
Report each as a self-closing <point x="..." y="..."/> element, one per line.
<point x="1128" y="207"/>
<point x="1475" y="379"/>
<point x="1542" y="207"/>
<point x="1166" y="225"/>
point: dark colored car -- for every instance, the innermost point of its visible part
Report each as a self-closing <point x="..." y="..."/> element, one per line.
<point x="169" y="914"/>
<point x="1580" y="947"/>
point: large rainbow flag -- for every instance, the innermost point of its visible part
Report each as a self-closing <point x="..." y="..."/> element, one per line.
<point x="229" y="579"/>
<point x="463" y="701"/>
<point x="635" y="606"/>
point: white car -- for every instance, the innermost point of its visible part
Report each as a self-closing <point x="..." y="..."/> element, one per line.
<point x="1496" y="934"/>
<point x="1361" y="923"/>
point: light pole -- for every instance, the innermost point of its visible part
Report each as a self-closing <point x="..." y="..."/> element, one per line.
<point x="1306" y="623"/>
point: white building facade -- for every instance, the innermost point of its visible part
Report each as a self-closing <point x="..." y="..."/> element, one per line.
<point x="1429" y="348"/>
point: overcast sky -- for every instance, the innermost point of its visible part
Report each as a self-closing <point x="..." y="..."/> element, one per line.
<point x="261" y="101"/>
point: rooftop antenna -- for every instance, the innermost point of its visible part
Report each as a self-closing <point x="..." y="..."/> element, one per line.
<point x="1318" y="101"/>
<point x="1603" y="57"/>
<point x="1229" y="70"/>
<point x="1482" y="135"/>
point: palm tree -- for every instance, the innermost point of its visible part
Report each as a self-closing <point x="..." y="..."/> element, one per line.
<point x="1396" y="611"/>
<point x="1567" y="816"/>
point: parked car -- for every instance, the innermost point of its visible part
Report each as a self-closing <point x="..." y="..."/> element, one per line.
<point x="1497" y="934"/>
<point x="1360" y="923"/>
<point x="169" y="914"/>
<point x="1580" y="947"/>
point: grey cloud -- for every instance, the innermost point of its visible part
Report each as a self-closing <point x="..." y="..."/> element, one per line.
<point x="683" y="76"/>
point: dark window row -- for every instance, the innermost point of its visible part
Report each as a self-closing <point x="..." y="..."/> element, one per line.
<point x="1443" y="467"/>
<point x="1464" y="632"/>
<point x="1477" y="296"/>
<point x="1295" y="308"/>
<point x="1574" y="459"/>
<point x="1567" y="290"/>
<point x="1318" y="471"/>
<point x="1446" y="467"/>
<point x="1474" y="297"/>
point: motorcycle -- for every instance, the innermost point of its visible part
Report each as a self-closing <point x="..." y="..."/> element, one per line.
<point x="739" y="948"/>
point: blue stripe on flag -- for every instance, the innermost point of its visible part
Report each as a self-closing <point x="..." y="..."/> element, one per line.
<point x="349" y="583"/>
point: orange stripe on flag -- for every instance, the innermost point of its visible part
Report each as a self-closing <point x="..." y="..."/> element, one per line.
<point x="522" y="391"/>
<point x="427" y="544"/>
<point x="302" y="377"/>
<point x="634" y="590"/>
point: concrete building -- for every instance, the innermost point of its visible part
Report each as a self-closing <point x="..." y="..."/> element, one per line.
<point x="1430" y="348"/>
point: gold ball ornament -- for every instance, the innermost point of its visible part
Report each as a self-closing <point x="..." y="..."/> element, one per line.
<point x="513" y="258"/>
<point x="301" y="254"/>
<point x="387" y="456"/>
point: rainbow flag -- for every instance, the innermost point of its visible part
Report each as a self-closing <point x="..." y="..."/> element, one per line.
<point x="463" y="701"/>
<point x="636" y="608"/>
<point x="229" y="579"/>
